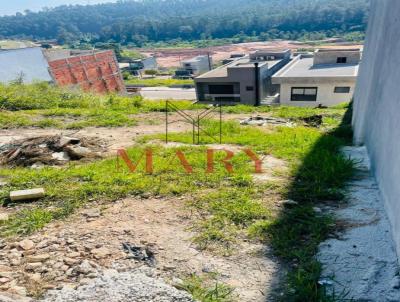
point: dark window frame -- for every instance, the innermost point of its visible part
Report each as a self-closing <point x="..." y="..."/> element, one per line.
<point x="221" y="89"/>
<point x="303" y="97"/>
<point x="342" y="89"/>
<point x="341" y="60"/>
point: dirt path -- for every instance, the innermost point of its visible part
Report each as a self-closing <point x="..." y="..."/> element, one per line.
<point x="53" y="257"/>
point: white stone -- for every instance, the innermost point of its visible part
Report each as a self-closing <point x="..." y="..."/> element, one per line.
<point x="26" y="244"/>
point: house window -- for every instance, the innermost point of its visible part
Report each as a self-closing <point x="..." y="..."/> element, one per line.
<point x="308" y="94"/>
<point x="342" y="89"/>
<point x="220" y="89"/>
<point x="249" y="88"/>
<point x="341" y="60"/>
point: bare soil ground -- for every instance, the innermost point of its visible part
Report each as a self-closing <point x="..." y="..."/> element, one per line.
<point x="74" y="251"/>
<point x="97" y="234"/>
<point x="172" y="57"/>
<point x="115" y="138"/>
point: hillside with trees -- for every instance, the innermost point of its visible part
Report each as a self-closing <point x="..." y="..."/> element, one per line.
<point x="139" y="22"/>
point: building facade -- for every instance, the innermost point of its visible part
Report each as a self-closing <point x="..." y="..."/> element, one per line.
<point x="325" y="78"/>
<point x="197" y="65"/>
<point x="246" y="80"/>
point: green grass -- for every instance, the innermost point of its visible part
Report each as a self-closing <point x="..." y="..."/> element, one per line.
<point x="44" y="106"/>
<point x="157" y="82"/>
<point x="207" y="289"/>
<point x="229" y="207"/>
<point x="75" y="185"/>
<point x="318" y="174"/>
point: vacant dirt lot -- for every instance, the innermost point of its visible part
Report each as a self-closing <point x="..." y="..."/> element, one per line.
<point x="172" y="57"/>
<point x="73" y="252"/>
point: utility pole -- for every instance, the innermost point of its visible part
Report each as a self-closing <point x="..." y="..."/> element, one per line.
<point x="209" y="61"/>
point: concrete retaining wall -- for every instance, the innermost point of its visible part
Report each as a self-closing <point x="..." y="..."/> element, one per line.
<point x="376" y="118"/>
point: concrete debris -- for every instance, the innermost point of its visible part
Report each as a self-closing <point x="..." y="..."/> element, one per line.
<point x="27" y="194"/>
<point x="262" y="121"/>
<point x="113" y="286"/>
<point x="49" y="150"/>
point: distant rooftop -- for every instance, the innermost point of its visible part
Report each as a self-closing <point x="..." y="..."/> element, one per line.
<point x="195" y="59"/>
<point x="303" y="67"/>
<point x="246" y="62"/>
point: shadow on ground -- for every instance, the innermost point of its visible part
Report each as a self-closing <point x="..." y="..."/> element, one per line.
<point x="296" y="234"/>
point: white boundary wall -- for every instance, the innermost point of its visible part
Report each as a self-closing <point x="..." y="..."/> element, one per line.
<point x="376" y="118"/>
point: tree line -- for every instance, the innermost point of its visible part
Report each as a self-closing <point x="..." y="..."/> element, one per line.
<point x="139" y="22"/>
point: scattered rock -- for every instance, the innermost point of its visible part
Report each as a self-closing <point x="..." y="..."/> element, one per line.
<point x="208" y="268"/>
<point x="100" y="253"/>
<point x="70" y="261"/>
<point x="9" y="297"/>
<point x="61" y="156"/>
<point x="169" y="267"/>
<point x="4" y="217"/>
<point x="35" y="277"/>
<point x="33" y="266"/>
<point x="74" y="255"/>
<point x="92" y="213"/>
<point x="38" y="258"/>
<point x="19" y="290"/>
<point x="42" y="244"/>
<point x="85" y="267"/>
<point x="27" y="194"/>
<point x="26" y="244"/>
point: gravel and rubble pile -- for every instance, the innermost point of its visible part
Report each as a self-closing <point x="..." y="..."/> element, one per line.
<point x="49" y="150"/>
<point x="113" y="286"/>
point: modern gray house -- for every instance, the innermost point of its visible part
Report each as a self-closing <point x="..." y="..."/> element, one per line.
<point x="325" y="78"/>
<point x="246" y="80"/>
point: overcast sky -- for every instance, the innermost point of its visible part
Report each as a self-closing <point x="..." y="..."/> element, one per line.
<point x="8" y="7"/>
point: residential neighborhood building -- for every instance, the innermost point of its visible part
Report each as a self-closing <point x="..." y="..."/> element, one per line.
<point x="246" y="80"/>
<point x="25" y="65"/>
<point x="137" y="66"/>
<point x="326" y="78"/>
<point x="195" y="66"/>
